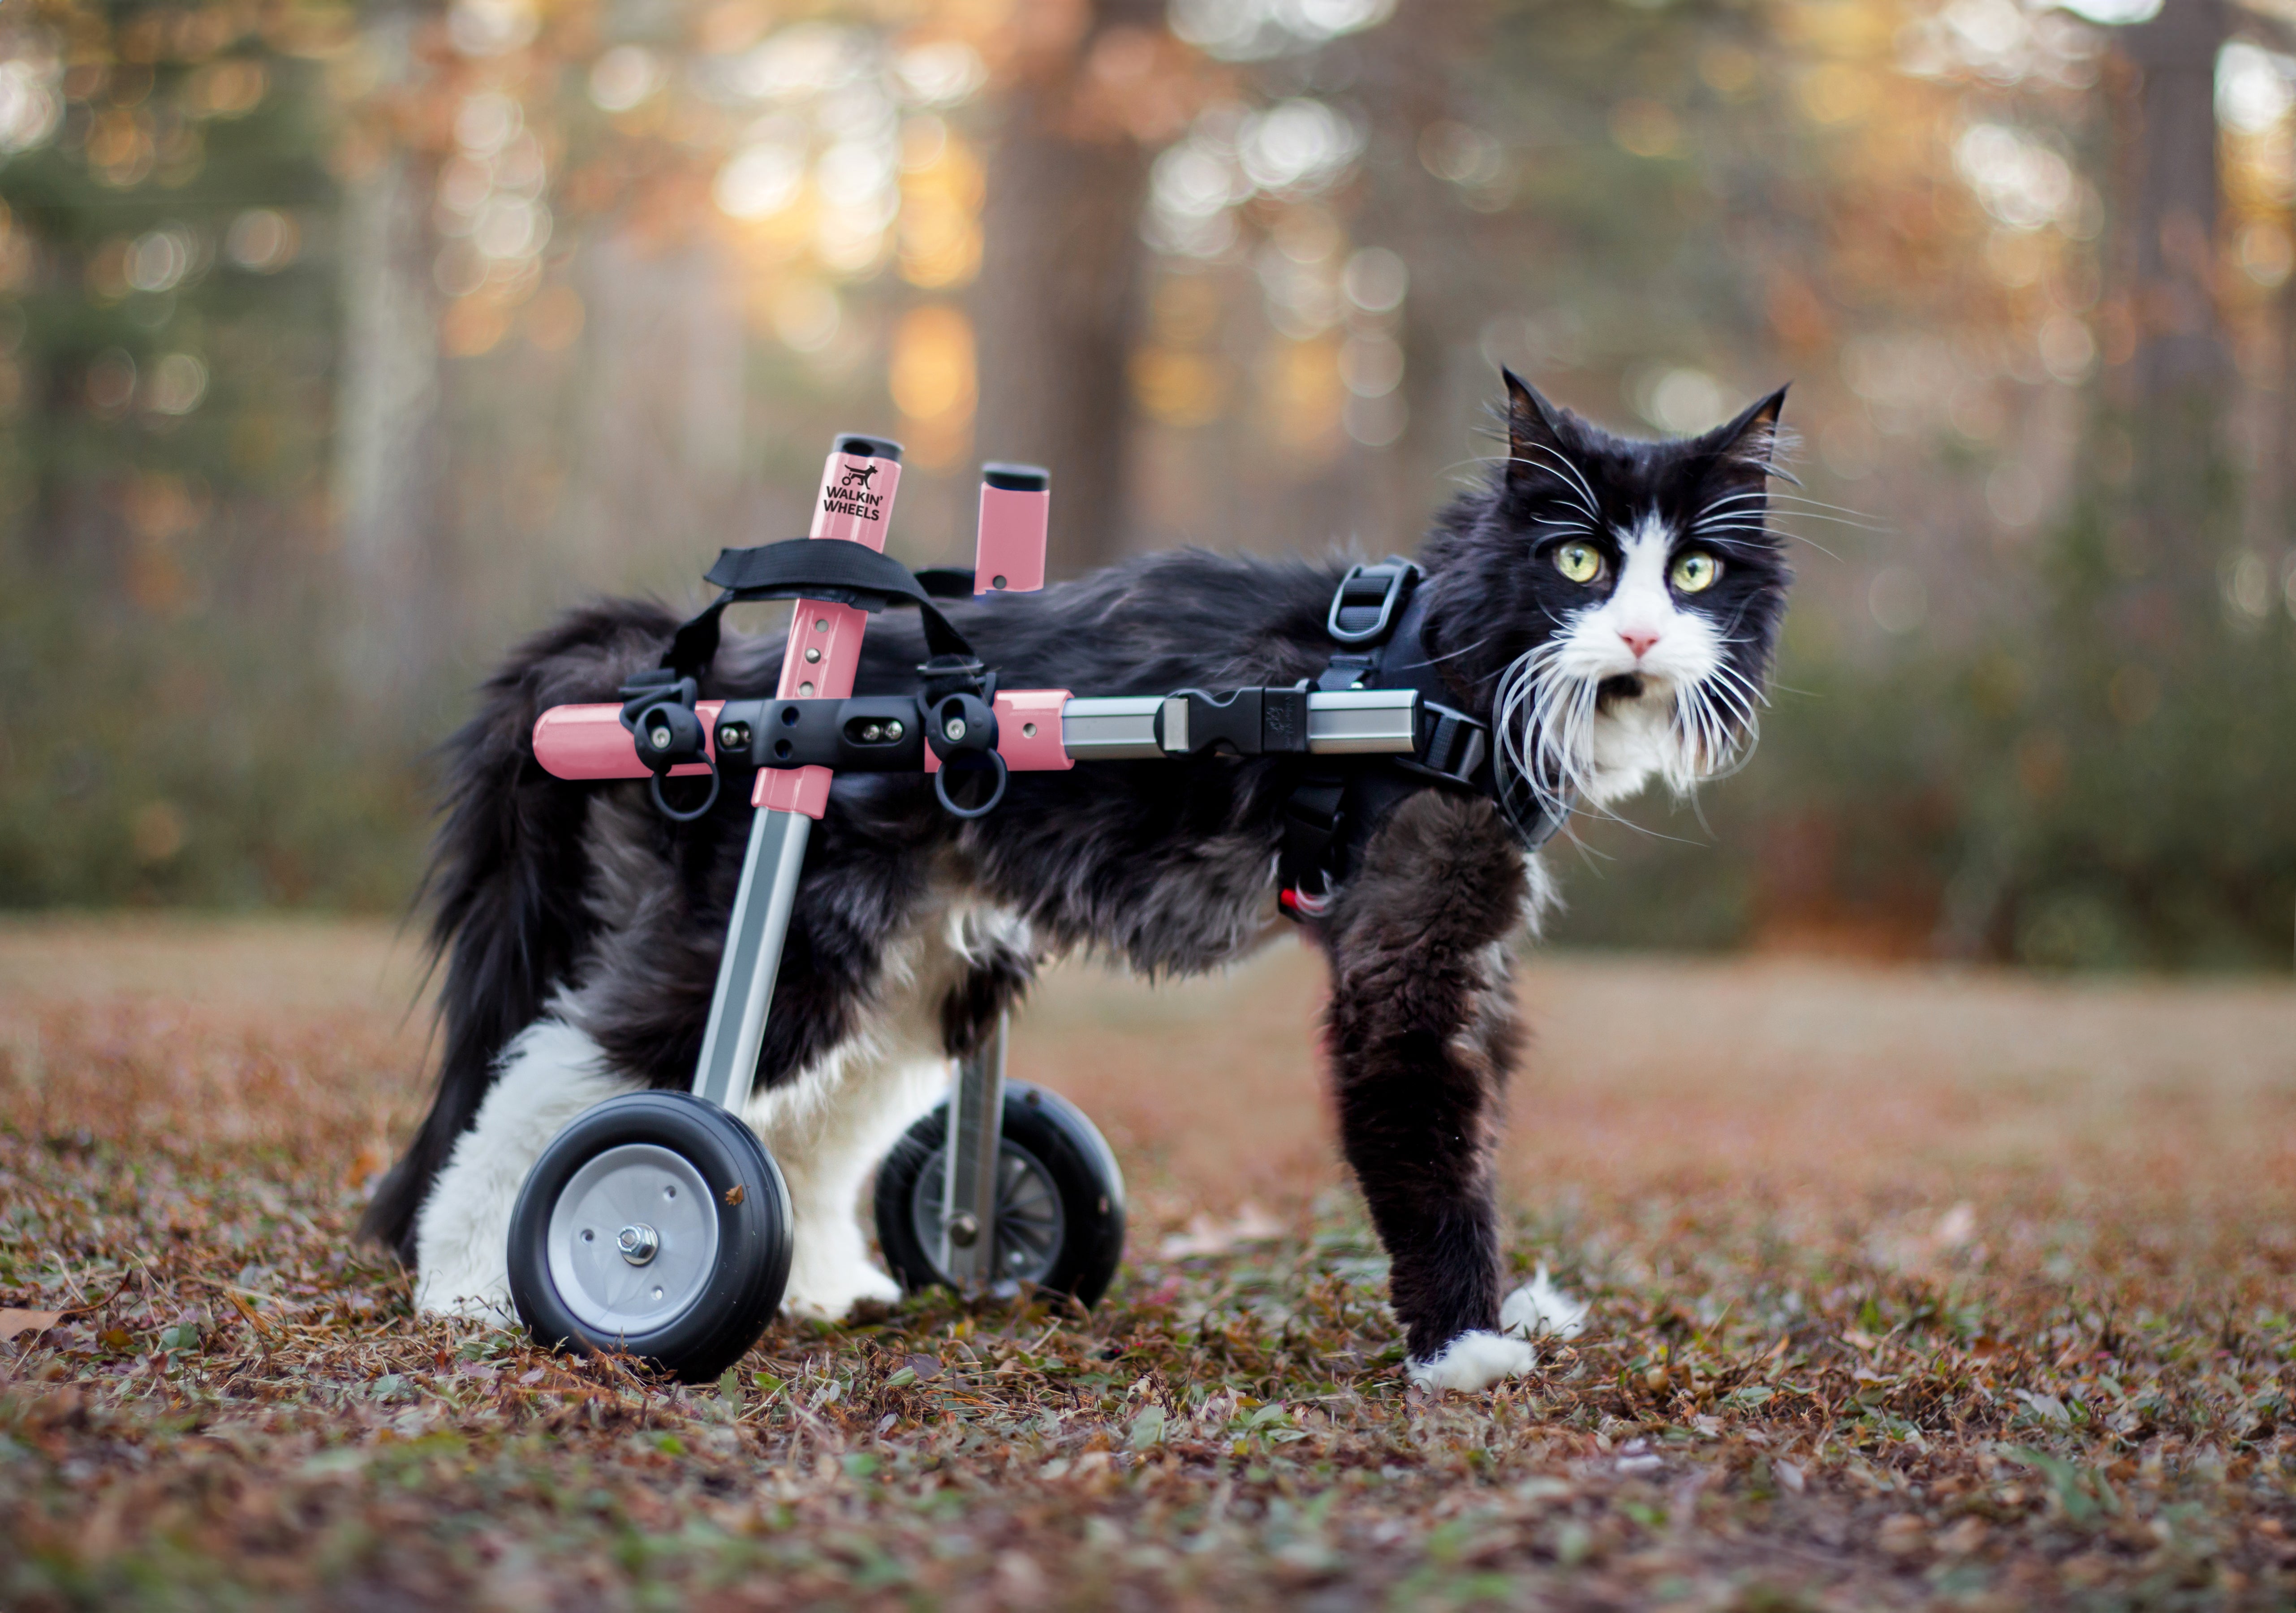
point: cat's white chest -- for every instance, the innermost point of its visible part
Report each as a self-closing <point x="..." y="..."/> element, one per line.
<point x="1631" y="741"/>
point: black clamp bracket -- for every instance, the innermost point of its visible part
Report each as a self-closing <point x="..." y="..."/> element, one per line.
<point x="868" y="734"/>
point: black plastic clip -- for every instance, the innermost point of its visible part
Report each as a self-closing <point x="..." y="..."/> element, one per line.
<point x="1237" y="722"/>
<point x="658" y="710"/>
<point x="961" y="730"/>
<point x="1453" y="746"/>
<point x="1363" y="604"/>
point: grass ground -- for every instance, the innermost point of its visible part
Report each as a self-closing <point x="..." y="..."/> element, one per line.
<point x="1910" y="1290"/>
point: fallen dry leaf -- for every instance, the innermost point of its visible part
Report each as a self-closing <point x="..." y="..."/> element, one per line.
<point x="1206" y="1237"/>
<point x="14" y="1322"/>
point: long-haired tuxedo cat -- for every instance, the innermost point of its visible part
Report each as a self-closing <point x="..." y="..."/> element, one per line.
<point x="1609" y="605"/>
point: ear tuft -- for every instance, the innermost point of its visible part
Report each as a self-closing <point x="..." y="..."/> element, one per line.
<point x="1754" y="441"/>
<point x="1536" y="446"/>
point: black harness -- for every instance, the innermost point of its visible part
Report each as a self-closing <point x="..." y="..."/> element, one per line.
<point x="1377" y="617"/>
<point x="1379" y="613"/>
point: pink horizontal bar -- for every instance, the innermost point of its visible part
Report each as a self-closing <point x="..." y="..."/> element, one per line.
<point x="1018" y="712"/>
<point x="590" y="741"/>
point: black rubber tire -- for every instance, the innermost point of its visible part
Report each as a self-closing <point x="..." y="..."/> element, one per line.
<point x="745" y="1284"/>
<point x="1069" y="1147"/>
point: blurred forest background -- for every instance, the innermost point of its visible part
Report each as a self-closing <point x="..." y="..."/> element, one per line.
<point x="340" y="346"/>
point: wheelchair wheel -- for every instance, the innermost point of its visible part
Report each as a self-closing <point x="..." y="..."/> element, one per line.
<point x="1059" y="1200"/>
<point x="655" y="1224"/>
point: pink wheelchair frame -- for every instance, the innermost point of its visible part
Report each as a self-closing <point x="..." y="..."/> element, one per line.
<point x="1035" y="730"/>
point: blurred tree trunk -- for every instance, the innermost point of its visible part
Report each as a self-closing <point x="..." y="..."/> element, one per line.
<point x="1057" y="308"/>
<point x="389" y="456"/>
<point x="2180" y="347"/>
<point x="2181" y="371"/>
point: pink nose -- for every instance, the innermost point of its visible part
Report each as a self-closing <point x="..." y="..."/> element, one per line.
<point x="1639" y="642"/>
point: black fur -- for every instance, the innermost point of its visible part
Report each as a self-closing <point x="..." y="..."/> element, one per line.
<point x="543" y="885"/>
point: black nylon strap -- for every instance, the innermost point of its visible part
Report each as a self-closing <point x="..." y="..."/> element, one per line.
<point x="1331" y="815"/>
<point x="1312" y="817"/>
<point x="806" y="568"/>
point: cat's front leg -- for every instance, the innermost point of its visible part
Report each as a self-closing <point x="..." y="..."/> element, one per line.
<point x="1424" y="1033"/>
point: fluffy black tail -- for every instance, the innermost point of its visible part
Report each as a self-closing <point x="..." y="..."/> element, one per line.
<point x="507" y="877"/>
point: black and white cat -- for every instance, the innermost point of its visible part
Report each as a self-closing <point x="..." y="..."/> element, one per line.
<point x="1610" y="605"/>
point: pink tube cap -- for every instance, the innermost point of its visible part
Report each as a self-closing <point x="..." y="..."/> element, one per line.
<point x="1016" y="504"/>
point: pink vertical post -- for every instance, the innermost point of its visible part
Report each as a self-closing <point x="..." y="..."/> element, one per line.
<point x="853" y="505"/>
<point x="1016" y="505"/>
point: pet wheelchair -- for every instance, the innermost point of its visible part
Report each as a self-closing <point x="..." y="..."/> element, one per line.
<point x="656" y="1224"/>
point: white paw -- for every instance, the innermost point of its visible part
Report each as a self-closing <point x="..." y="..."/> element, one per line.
<point x="1472" y="1361"/>
<point x="550" y="1074"/>
<point x="830" y="1292"/>
<point x="1539" y="1307"/>
<point x="474" y="1296"/>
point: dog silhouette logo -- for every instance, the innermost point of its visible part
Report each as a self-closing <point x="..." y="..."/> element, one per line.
<point x="860" y="476"/>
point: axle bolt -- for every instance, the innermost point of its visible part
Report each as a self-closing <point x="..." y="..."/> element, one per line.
<point x="963" y="1230"/>
<point x="954" y="730"/>
<point x="660" y="739"/>
<point x="873" y="732"/>
<point x="639" y="1243"/>
<point x="892" y="730"/>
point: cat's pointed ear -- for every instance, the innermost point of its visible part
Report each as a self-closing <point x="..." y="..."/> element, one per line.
<point x="1535" y="443"/>
<point x="1747" y="448"/>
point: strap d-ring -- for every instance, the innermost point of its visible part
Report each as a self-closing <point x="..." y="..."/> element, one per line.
<point x="654" y="787"/>
<point x="969" y="761"/>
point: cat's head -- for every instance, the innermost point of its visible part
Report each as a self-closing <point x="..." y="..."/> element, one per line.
<point x="1612" y="603"/>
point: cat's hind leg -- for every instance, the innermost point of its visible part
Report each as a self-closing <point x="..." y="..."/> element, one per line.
<point x="549" y="1073"/>
<point x="829" y="1124"/>
<point x="827" y="1129"/>
<point x="943" y="984"/>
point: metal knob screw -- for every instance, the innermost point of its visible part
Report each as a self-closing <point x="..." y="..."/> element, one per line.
<point x="659" y="739"/>
<point x="639" y="1243"/>
<point x="892" y="730"/>
<point x="963" y="1230"/>
<point x="954" y="730"/>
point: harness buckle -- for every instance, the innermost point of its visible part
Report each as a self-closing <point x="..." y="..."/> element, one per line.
<point x="1363" y="604"/>
<point x="1453" y="746"/>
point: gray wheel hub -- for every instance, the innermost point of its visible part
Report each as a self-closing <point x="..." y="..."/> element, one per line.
<point x="633" y="1240"/>
<point x="1030" y="1223"/>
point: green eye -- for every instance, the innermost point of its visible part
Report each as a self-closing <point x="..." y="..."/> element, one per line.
<point x="1695" y="571"/>
<point x="1579" y="561"/>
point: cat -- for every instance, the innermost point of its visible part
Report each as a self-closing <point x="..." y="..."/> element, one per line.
<point x="1610" y="605"/>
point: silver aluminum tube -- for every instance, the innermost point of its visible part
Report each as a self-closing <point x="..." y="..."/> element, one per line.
<point x="1341" y="722"/>
<point x="1362" y="722"/>
<point x="753" y="958"/>
<point x="976" y="1140"/>
<point x="1122" y="728"/>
